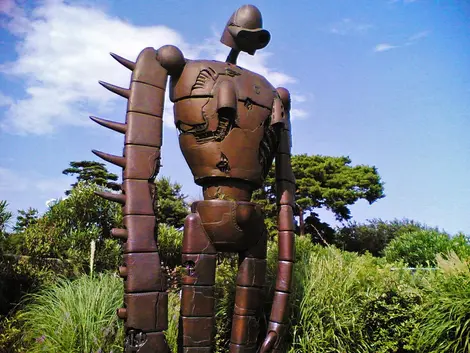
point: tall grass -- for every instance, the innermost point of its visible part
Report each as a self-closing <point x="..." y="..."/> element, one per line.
<point x="75" y="316"/>
<point x="339" y="291"/>
<point x="171" y="334"/>
<point x="445" y="322"/>
<point x="341" y="302"/>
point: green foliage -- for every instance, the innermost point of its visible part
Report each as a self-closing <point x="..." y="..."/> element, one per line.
<point x="10" y="334"/>
<point x="58" y="243"/>
<point x="339" y="290"/>
<point x="372" y="236"/>
<point x="323" y="182"/>
<point x="420" y="247"/>
<point x="92" y="172"/>
<point x="170" y="205"/>
<point x="66" y="230"/>
<point x="341" y="302"/>
<point x="331" y="182"/>
<point x="390" y="317"/>
<point x="25" y="219"/>
<point x="83" y="209"/>
<point x="173" y="320"/>
<point x="5" y="217"/>
<point x="170" y="242"/>
<point x="74" y="316"/>
<point x="445" y="315"/>
<point x="224" y="303"/>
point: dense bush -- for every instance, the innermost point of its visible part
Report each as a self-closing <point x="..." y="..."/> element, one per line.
<point x="372" y="236"/>
<point x="420" y="247"/>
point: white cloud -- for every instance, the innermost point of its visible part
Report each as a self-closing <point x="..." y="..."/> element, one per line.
<point x="298" y="114"/>
<point x="348" y="27"/>
<point x="298" y="98"/>
<point x="63" y="51"/>
<point x="417" y="36"/>
<point x="413" y="39"/>
<point x="15" y="181"/>
<point x="5" y="100"/>
<point x="384" y="47"/>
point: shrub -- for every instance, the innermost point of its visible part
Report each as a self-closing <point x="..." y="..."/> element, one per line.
<point x="75" y="316"/>
<point x="389" y="318"/>
<point x="373" y="236"/>
<point x="420" y="247"/>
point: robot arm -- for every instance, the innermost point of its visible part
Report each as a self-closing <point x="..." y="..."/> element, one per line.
<point x="144" y="283"/>
<point x="285" y="186"/>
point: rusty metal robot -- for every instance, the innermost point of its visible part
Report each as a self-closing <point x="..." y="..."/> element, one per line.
<point x="232" y="124"/>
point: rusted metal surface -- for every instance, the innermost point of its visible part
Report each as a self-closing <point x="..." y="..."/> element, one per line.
<point x="232" y="125"/>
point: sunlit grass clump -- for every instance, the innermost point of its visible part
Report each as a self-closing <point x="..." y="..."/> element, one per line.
<point x="445" y="320"/>
<point x="75" y="316"/>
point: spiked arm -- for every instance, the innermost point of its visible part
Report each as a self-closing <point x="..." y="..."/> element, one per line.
<point x="145" y="300"/>
<point x="285" y="187"/>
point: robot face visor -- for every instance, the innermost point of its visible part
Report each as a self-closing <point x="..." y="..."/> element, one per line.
<point x="249" y="40"/>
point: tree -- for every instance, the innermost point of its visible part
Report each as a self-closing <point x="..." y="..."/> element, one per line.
<point x="5" y="216"/>
<point x="170" y="205"/>
<point x="66" y="229"/>
<point x="323" y="182"/>
<point x="91" y="171"/>
<point x="25" y="218"/>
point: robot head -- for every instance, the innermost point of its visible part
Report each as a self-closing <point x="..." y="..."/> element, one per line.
<point x="244" y="30"/>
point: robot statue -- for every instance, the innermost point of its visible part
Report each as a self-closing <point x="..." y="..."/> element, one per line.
<point x="232" y="124"/>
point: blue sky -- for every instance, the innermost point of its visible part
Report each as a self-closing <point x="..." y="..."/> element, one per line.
<point x="384" y="82"/>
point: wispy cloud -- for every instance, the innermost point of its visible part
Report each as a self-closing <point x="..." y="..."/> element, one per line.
<point x="413" y="39"/>
<point x="418" y="36"/>
<point x="384" y="47"/>
<point x="62" y="52"/>
<point x="349" y="27"/>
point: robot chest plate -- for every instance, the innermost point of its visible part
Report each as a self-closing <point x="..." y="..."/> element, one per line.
<point x="200" y="79"/>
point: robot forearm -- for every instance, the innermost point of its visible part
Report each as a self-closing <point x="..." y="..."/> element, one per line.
<point x="285" y="186"/>
<point x="144" y="281"/>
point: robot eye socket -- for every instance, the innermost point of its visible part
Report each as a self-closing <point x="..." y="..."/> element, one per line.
<point x="263" y="38"/>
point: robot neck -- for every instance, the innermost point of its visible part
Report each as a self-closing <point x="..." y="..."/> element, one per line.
<point x="232" y="56"/>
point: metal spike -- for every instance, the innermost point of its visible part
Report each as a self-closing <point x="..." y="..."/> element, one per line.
<point x="112" y="197"/>
<point x="119" y="127"/>
<point x="122" y="313"/>
<point x="119" y="233"/>
<point x="117" y="160"/>
<point x="123" y="271"/>
<point x="127" y="63"/>
<point x="123" y="92"/>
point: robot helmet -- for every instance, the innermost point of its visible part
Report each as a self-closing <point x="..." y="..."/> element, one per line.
<point x="244" y="30"/>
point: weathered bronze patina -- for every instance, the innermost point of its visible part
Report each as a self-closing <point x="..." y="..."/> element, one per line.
<point x="232" y="124"/>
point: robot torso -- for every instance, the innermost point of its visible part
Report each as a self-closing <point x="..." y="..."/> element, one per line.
<point x="225" y="116"/>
